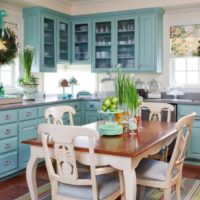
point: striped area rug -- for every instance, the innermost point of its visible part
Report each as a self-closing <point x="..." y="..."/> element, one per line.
<point x="191" y="192"/>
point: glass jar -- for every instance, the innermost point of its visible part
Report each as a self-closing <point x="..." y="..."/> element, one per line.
<point x="107" y="86"/>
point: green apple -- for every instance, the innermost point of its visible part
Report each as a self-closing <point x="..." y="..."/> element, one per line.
<point x="103" y="108"/>
<point x="113" y="108"/>
<point x="114" y="100"/>
<point x="107" y="103"/>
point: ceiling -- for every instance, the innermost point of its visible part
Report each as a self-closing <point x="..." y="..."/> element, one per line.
<point x="167" y="5"/>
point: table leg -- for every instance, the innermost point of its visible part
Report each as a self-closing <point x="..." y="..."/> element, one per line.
<point x="31" y="175"/>
<point x="130" y="183"/>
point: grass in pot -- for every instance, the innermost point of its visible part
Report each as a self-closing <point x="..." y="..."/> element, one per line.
<point x="28" y="83"/>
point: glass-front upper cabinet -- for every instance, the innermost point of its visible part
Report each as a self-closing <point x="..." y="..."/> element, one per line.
<point x="63" y="41"/>
<point x="126" y="50"/>
<point x="49" y="44"/>
<point x="81" y="43"/>
<point x="115" y="43"/>
<point x="102" y="58"/>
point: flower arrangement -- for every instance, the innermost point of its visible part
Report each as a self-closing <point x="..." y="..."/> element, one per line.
<point x="126" y="91"/>
<point x="27" y="60"/>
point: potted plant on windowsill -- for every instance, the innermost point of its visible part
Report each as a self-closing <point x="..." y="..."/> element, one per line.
<point x="29" y="82"/>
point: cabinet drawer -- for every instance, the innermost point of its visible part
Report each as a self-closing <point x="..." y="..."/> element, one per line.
<point x="76" y="105"/>
<point x="27" y="113"/>
<point x="8" y="130"/>
<point x="8" y="145"/>
<point x="8" y="162"/>
<point x="41" y="110"/>
<point x="188" y="109"/>
<point x="8" y="116"/>
<point x="92" y="105"/>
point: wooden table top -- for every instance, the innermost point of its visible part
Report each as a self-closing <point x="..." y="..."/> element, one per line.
<point x="149" y="134"/>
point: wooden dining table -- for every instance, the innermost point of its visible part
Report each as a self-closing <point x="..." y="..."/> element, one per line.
<point x="123" y="152"/>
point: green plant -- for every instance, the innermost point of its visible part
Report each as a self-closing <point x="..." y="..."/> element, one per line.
<point x="126" y="91"/>
<point x="27" y="60"/>
<point x="32" y="81"/>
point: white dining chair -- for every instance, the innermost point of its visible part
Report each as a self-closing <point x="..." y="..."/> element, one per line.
<point x="155" y="114"/>
<point x="57" y="113"/>
<point x="159" y="174"/>
<point x="68" y="183"/>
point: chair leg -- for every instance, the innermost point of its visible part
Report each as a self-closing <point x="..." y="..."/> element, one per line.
<point x="167" y="193"/>
<point x="142" y="190"/>
<point x="178" y="191"/>
<point x="166" y="151"/>
<point x="122" y="189"/>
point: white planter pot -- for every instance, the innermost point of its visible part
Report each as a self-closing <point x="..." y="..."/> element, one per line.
<point x="28" y="91"/>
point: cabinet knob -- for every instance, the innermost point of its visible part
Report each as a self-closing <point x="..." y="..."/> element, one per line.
<point x="7" y="146"/>
<point x="76" y="107"/>
<point x="91" y="105"/>
<point x="7" y="131"/>
<point x="28" y="114"/>
<point x="7" y="163"/>
<point x="7" y="117"/>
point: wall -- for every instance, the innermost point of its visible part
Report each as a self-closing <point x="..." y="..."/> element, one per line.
<point x="97" y="6"/>
<point x="171" y="17"/>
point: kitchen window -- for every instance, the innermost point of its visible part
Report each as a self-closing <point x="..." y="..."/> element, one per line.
<point x="184" y="55"/>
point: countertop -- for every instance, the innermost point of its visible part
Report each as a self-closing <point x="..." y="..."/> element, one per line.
<point x="39" y="102"/>
<point x="175" y="101"/>
<point x="49" y="100"/>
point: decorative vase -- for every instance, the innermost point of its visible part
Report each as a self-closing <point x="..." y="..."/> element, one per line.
<point x="28" y="91"/>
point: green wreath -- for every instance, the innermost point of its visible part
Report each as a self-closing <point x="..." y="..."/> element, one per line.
<point x="8" y="46"/>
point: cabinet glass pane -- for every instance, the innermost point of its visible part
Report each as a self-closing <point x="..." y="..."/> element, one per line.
<point x="81" y="42"/>
<point x="103" y="45"/>
<point x="49" y="29"/>
<point x="63" y="41"/>
<point x="126" y="43"/>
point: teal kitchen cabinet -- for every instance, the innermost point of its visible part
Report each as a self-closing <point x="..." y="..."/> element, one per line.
<point x="81" y="42"/>
<point x="115" y="42"/>
<point x="48" y="32"/>
<point x="126" y="40"/>
<point x="150" y="41"/>
<point x="103" y="45"/>
<point x="91" y="109"/>
<point x="8" y="142"/>
<point x="193" y="151"/>
<point x="63" y="39"/>
<point x="78" y="106"/>
<point x="27" y="130"/>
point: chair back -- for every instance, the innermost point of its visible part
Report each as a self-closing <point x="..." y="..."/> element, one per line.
<point x="184" y="128"/>
<point x="156" y="110"/>
<point x="64" y="154"/>
<point x="57" y="112"/>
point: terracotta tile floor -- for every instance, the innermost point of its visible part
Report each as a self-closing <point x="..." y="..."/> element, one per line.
<point x="16" y="186"/>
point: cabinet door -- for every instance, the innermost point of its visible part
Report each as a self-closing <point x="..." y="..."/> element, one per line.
<point x="91" y="117"/>
<point x="147" y="43"/>
<point x="194" y="149"/>
<point x="48" y="43"/>
<point x="63" y="51"/>
<point x="126" y="43"/>
<point x="27" y="130"/>
<point x="103" y="46"/>
<point x="81" y="41"/>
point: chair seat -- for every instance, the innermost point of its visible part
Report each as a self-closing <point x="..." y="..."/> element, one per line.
<point x="107" y="185"/>
<point x="155" y="170"/>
